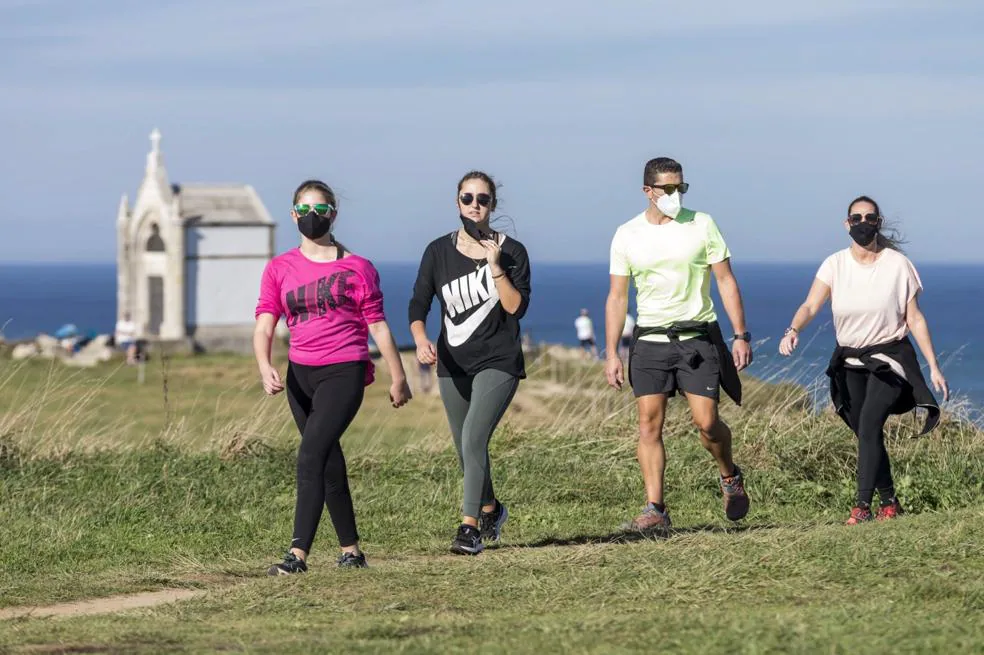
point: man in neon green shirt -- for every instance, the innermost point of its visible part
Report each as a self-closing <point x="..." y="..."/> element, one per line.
<point x="669" y="252"/>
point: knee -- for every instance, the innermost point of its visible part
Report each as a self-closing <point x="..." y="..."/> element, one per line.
<point x="310" y="460"/>
<point x="474" y="445"/>
<point x="651" y="429"/>
<point x="708" y="425"/>
<point x="870" y="433"/>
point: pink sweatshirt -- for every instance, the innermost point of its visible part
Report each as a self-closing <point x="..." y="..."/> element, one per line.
<point x="328" y="305"/>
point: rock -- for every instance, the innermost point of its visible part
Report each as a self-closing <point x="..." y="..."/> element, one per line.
<point x="47" y="346"/>
<point x="96" y="350"/>
<point x="24" y="351"/>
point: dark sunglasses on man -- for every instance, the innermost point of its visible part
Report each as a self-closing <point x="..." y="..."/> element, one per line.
<point x="670" y="189"/>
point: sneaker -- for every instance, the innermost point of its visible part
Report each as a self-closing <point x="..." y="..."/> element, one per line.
<point x="352" y="561"/>
<point x="651" y="520"/>
<point x="491" y="523"/>
<point x="291" y="564"/>
<point x="890" y="510"/>
<point x="735" y="499"/>
<point x="859" y="515"/>
<point x="468" y="541"/>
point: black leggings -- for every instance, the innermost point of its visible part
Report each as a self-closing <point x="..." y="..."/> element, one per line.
<point x="324" y="400"/>
<point x="870" y="399"/>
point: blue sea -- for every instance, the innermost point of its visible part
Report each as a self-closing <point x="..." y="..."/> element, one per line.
<point x="42" y="297"/>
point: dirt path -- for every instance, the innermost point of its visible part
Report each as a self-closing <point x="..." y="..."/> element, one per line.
<point x="106" y="605"/>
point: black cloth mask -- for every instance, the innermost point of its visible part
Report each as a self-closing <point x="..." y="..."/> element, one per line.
<point x="864" y="233"/>
<point x="480" y="231"/>
<point x="314" y="225"/>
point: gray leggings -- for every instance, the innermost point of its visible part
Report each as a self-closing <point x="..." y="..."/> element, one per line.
<point x="475" y="406"/>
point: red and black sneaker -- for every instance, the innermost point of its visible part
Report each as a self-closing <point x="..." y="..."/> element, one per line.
<point x="890" y="510"/>
<point x="860" y="515"/>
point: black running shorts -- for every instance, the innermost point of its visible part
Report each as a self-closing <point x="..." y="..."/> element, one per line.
<point x="688" y="365"/>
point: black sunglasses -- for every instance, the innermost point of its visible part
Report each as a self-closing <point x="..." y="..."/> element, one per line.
<point x="670" y="189"/>
<point x="855" y="219"/>
<point x="467" y="199"/>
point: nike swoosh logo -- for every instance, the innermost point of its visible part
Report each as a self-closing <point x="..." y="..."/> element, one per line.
<point x="459" y="334"/>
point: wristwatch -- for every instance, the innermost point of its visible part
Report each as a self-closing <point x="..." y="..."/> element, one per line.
<point x="744" y="336"/>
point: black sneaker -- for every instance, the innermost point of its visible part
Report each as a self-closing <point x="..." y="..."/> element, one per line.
<point x="351" y="561"/>
<point x="468" y="541"/>
<point x="291" y="564"/>
<point x="491" y="523"/>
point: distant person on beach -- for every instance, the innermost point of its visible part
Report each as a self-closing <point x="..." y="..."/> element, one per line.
<point x="584" y="328"/>
<point x="332" y="301"/>
<point x="873" y="290"/>
<point x="482" y="280"/>
<point x="626" y="342"/>
<point x="669" y="252"/>
<point x="125" y="337"/>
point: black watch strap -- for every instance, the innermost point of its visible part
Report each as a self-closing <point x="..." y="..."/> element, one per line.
<point x="744" y="336"/>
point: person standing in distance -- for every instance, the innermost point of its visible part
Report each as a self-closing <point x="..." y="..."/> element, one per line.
<point x="669" y="252"/>
<point x="627" y="331"/>
<point x="333" y="302"/>
<point x="584" y="327"/>
<point x="482" y="280"/>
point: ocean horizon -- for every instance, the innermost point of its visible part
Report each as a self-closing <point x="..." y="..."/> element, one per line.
<point x="40" y="297"/>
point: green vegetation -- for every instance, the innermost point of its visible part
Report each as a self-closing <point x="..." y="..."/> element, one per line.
<point x="107" y="489"/>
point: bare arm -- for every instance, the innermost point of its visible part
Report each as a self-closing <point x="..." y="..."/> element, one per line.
<point x="916" y="321"/>
<point x="815" y="300"/>
<point x="510" y="298"/>
<point x="263" y="340"/>
<point x="418" y="329"/>
<point x="616" y="307"/>
<point x="387" y="348"/>
<point x="399" y="390"/>
<point x="513" y="289"/>
<point x="730" y="294"/>
<point x="262" y="350"/>
<point x="741" y="350"/>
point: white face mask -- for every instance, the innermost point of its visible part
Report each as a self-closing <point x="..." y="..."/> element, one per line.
<point x="669" y="204"/>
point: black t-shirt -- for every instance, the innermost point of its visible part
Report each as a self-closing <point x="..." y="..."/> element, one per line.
<point x="477" y="333"/>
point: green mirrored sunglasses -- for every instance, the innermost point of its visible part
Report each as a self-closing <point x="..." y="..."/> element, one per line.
<point x="320" y="209"/>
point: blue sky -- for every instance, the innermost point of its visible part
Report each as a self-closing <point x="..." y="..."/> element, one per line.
<point x="780" y="113"/>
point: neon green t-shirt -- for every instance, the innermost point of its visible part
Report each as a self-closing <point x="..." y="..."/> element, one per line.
<point x="670" y="265"/>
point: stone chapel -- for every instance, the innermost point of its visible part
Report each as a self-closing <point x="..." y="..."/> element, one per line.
<point x="190" y="257"/>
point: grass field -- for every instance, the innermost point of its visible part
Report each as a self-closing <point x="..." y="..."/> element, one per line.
<point x="108" y="486"/>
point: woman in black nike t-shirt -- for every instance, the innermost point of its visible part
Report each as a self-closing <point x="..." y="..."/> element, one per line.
<point x="482" y="280"/>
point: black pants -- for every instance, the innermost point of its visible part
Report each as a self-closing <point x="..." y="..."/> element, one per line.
<point x="870" y="399"/>
<point x="324" y="400"/>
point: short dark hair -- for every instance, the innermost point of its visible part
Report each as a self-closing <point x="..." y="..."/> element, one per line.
<point x="659" y="165"/>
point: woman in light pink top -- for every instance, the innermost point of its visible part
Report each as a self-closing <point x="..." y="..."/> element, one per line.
<point x="873" y="289"/>
<point x="332" y="302"/>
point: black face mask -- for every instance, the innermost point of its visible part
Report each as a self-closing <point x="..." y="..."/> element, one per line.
<point x="314" y="225"/>
<point x="864" y="233"/>
<point x="479" y="231"/>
